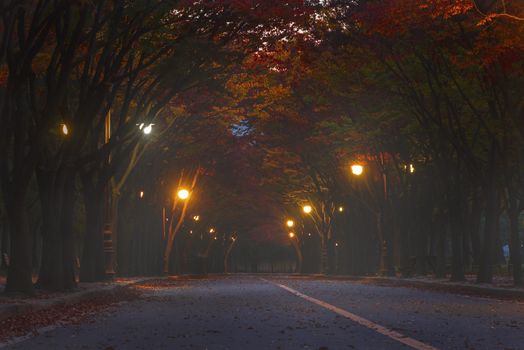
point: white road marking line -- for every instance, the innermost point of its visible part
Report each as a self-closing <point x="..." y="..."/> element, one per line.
<point x="415" y="344"/>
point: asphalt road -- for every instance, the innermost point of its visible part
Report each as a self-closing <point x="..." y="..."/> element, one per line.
<point x="275" y="312"/>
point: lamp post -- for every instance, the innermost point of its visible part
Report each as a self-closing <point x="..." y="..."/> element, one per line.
<point x="109" y="251"/>
<point x="294" y="242"/>
<point x="384" y="268"/>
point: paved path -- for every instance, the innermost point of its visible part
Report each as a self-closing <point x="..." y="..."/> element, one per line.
<point x="250" y="312"/>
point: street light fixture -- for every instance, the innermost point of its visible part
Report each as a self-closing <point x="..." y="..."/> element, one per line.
<point x="291" y="234"/>
<point x="340" y="209"/>
<point x="290" y="223"/>
<point x="307" y="209"/>
<point x="357" y="169"/>
<point x="65" y="129"/>
<point x="146" y="129"/>
<point x="183" y="194"/>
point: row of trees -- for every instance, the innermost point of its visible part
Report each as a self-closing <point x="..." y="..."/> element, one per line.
<point x="426" y="96"/>
<point x="79" y="82"/>
<point x="261" y="107"/>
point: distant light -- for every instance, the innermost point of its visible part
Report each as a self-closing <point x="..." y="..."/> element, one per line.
<point x="309" y="234"/>
<point x="196" y="217"/>
<point x="336" y="244"/>
<point x="291" y="234"/>
<point x="183" y="194"/>
<point x="341" y="209"/>
<point x="357" y="169"/>
<point x="215" y="238"/>
<point x="190" y="231"/>
<point x="65" y="130"/>
<point x="141" y="194"/>
<point x="411" y="168"/>
<point x="211" y="230"/>
<point x="290" y="223"/>
<point x="307" y="209"/>
<point x="147" y="129"/>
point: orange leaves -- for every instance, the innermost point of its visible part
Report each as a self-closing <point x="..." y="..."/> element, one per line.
<point x="392" y="17"/>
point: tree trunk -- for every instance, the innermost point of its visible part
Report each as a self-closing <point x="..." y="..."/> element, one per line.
<point x="4" y="252"/>
<point x="485" y="274"/>
<point x="456" y="226"/>
<point x="228" y="253"/>
<point x="20" y="274"/>
<point x="92" y="264"/>
<point x="300" y="259"/>
<point x="474" y="229"/>
<point x="441" y="247"/>
<point x="323" y="254"/>
<point x="514" y="242"/>
<point x="58" y="254"/>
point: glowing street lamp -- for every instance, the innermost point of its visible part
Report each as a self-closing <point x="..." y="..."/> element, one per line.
<point x="141" y="194"/>
<point x="340" y="209"/>
<point x="357" y="169"/>
<point x="291" y="235"/>
<point x="307" y="209"/>
<point x="290" y="223"/>
<point x="64" y="129"/>
<point x="146" y="129"/>
<point x="183" y="194"/>
<point x="211" y="230"/>
<point x="196" y="217"/>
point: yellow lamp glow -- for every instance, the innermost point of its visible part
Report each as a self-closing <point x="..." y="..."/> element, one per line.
<point x="307" y="209"/>
<point x="357" y="169"/>
<point x="183" y="194"/>
<point x="147" y="129"/>
<point x="211" y="230"/>
<point x="291" y="234"/>
<point x="290" y="223"/>
<point x="340" y="209"/>
<point x="65" y="130"/>
<point x="196" y="217"/>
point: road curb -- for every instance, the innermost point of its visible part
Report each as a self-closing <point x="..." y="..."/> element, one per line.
<point x="11" y="310"/>
<point x="444" y="286"/>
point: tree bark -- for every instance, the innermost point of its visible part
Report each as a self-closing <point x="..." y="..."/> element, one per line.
<point x="20" y="274"/>
<point x="485" y="274"/>
<point x="4" y="252"/>
<point x="456" y="225"/>
<point x="323" y="255"/>
<point x="514" y="241"/>
<point x="227" y="254"/>
<point x="58" y="253"/>
<point x="300" y="259"/>
<point x="92" y="262"/>
<point x="441" y="246"/>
